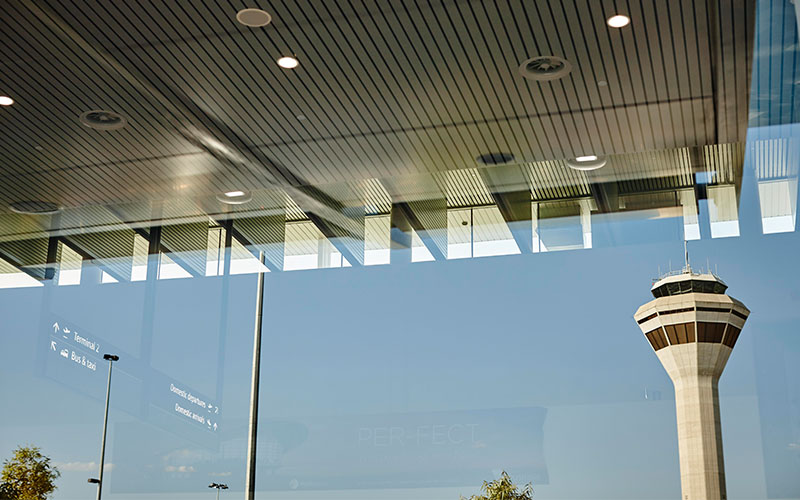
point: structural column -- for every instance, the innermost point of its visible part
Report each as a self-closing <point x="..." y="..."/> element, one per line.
<point x="699" y="438"/>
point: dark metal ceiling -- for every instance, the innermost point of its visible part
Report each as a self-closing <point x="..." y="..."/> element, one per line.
<point x="387" y="93"/>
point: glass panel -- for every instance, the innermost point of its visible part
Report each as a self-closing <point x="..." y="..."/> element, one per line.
<point x="731" y="335"/>
<point x="690" y="332"/>
<point x="703" y="334"/>
<point x="672" y="334"/>
<point x="657" y="339"/>
<point x="681" y="333"/>
<point x="412" y="235"/>
<point x="710" y="332"/>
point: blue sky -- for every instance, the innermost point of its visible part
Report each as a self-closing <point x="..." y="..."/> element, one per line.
<point x="363" y="370"/>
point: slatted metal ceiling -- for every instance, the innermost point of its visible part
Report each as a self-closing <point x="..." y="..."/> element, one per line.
<point x="775" y="158"/>
<point x="775" y="98"/>
<point x="548" y="180"/>
<point x="113" y="250"/>
<point x="28" y="255"/>
<point x="385" y="89"/>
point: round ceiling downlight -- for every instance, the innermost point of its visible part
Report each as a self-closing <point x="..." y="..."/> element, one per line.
<point x="6" y="101"/>
<point x="544" y="68"/>
<point x="618" y="21"/>
<point x="234" y="197"/>
<point x="34" y="207"/>
<point x="587" y="163"/>
<point x="495" y="158"/>
<point x="254" y="18"/>
<point x="288" y="62"/>
<point x="100" y="119"/>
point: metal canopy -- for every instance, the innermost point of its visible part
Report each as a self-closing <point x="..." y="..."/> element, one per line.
<point x="385" y="92"/>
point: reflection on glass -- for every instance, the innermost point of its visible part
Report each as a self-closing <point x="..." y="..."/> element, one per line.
<point x="455" y="234"/>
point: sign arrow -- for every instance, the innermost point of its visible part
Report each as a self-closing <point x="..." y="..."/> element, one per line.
<point x="53" y="345"/>
<point x="55" y="327"/>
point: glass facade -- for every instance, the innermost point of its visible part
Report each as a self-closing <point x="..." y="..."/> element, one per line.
<point x="456" y="209"/>
<point x="683" y="333"/>
<point x="680" y="287"/>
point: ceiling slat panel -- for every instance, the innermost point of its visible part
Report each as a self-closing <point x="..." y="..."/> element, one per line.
<point x="29" y="255"/>
<point x="112" y="250"/>
<point x="189" y="242"/>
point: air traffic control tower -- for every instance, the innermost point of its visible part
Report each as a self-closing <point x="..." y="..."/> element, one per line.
<point x="693" y="325"/>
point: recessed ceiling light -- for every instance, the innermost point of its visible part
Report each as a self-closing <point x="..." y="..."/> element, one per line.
<point x="288" y="62"/>
<point x="100" y="119"/>
<point x="495" y="158"/>
<point x="34" y="207"/>
<point x="586" y="163"/>
<point x="254" y="18"/>
<point x="6" y="101"/>
<point x="618" y="21"/>
<point x="602" y="83"/>
<point x="234" y="197"/>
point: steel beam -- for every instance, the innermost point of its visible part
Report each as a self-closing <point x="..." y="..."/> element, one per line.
<point x="406" y="216"/>
<point x="512" y="196"/>
<point x="515" y="207"/>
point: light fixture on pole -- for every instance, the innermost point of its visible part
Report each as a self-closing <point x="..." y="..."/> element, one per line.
<point x="99" y="481"/>
<point x="218" y="486"/>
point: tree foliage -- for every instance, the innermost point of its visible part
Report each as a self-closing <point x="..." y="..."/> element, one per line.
<point x="7" y="492"/>
<point x="28" y="475"/>
<point x="503" y="488"/>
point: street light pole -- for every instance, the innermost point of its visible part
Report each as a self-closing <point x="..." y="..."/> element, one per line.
<point x="218" y="486"/>
<point x="252" y="441"/>
<point x="99" y="481"/>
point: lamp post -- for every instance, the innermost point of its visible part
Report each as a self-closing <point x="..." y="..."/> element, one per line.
<point x="99" y="481"/>
<point x="218" y="486"/>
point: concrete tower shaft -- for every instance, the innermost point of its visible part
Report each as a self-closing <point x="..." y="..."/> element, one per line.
<point x="693" y="326"/>
<point x="695" y="370"/>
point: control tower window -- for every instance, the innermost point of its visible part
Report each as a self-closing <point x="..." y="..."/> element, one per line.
<point x="731" y="335"/>
<point x="710" y="332"/>
<point x="682" y="333"/>
<point x="689" y="286"/>
<point x="657" y="338"/>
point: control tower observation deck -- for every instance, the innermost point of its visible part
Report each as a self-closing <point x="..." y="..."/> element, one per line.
<point x="693" y="325"/>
